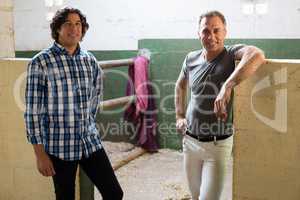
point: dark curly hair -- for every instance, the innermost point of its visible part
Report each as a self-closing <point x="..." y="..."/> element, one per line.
<point x="61" y="16"/>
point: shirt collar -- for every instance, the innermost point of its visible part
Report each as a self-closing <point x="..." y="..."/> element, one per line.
<point x="62" y="50"/>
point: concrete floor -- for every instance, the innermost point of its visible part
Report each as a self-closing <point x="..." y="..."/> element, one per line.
<point x="158" y="176"/>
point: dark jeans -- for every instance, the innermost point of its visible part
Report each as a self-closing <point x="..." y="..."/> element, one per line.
<point x="97" y="167"/>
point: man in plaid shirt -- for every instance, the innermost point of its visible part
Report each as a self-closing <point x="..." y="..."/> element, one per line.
<point x="64" y="87"/>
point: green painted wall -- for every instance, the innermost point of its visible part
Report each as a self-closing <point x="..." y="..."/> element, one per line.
<point x="112" y="125"/>
<point x="166" y="60"/>
<point x="167" y="56"/>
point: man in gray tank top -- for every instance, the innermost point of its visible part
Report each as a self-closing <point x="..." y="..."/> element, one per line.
<point x="207" y="124"/>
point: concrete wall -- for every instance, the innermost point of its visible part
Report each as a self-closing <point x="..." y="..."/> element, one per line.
<point x="19" y="176"/>
<point x="7" y="47"/>
<point x="119" y="24"/>
<point x="266" y="152"/>
<point x="267" y="140"/>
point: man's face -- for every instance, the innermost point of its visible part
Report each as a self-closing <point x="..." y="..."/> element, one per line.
<point x="70" y="32"/>
<point x="212" y="33"/>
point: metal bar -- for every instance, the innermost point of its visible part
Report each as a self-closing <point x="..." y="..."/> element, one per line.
<point x="115" y="63"/>
<point x="113" y="103"/>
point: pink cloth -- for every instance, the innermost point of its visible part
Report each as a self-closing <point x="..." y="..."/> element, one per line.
<point x="142" y="113"/>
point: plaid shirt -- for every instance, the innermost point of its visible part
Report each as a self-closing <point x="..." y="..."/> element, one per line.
<point x="62" y="96"/>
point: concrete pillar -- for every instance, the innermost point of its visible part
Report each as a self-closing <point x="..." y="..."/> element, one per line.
<point x="19" y="177"/>
<point x="267" y="139"/>
<point x="7" y="47"/>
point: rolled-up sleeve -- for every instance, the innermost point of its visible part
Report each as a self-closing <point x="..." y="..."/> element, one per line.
<point x="34" y="100"/>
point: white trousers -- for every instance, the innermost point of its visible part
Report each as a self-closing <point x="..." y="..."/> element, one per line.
<point x="205" y="165"/>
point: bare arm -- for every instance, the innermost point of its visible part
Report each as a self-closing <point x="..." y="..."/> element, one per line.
<point x="251" y="59"/>
<point x="180" y="102"/>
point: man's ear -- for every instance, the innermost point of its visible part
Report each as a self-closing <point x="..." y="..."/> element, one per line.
<point x="57" y="31"/>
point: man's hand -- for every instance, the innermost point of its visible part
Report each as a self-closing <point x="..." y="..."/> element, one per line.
<point x="44" y="163"/>
<point x="221" y="102"/>
<point x="181" y="125"/>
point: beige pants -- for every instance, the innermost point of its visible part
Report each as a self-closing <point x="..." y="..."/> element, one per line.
<point x="205" y="166"/>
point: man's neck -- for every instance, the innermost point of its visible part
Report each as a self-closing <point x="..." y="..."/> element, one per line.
<point x="71" y="49"/>
<point x="210" y="55"/>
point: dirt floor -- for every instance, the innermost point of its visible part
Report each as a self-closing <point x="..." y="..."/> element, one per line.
<point x="157" y="176"/>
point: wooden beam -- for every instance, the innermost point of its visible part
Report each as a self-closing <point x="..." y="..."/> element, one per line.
<point x="133" y="155"/>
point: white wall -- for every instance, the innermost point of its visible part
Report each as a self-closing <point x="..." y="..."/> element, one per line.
<point x="119" y="24"/>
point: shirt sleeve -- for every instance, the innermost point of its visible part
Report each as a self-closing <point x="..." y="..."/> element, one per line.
<point x="34" y="100"/>
<point x="234" y="48"/>
<point x="97" y="92"/>
<point x="184" y="69"/>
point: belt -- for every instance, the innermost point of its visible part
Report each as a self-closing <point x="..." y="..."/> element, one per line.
<point x="207" y="138"/>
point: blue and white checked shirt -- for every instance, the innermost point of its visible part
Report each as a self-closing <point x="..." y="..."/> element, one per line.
<point x="62" y="96"/>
